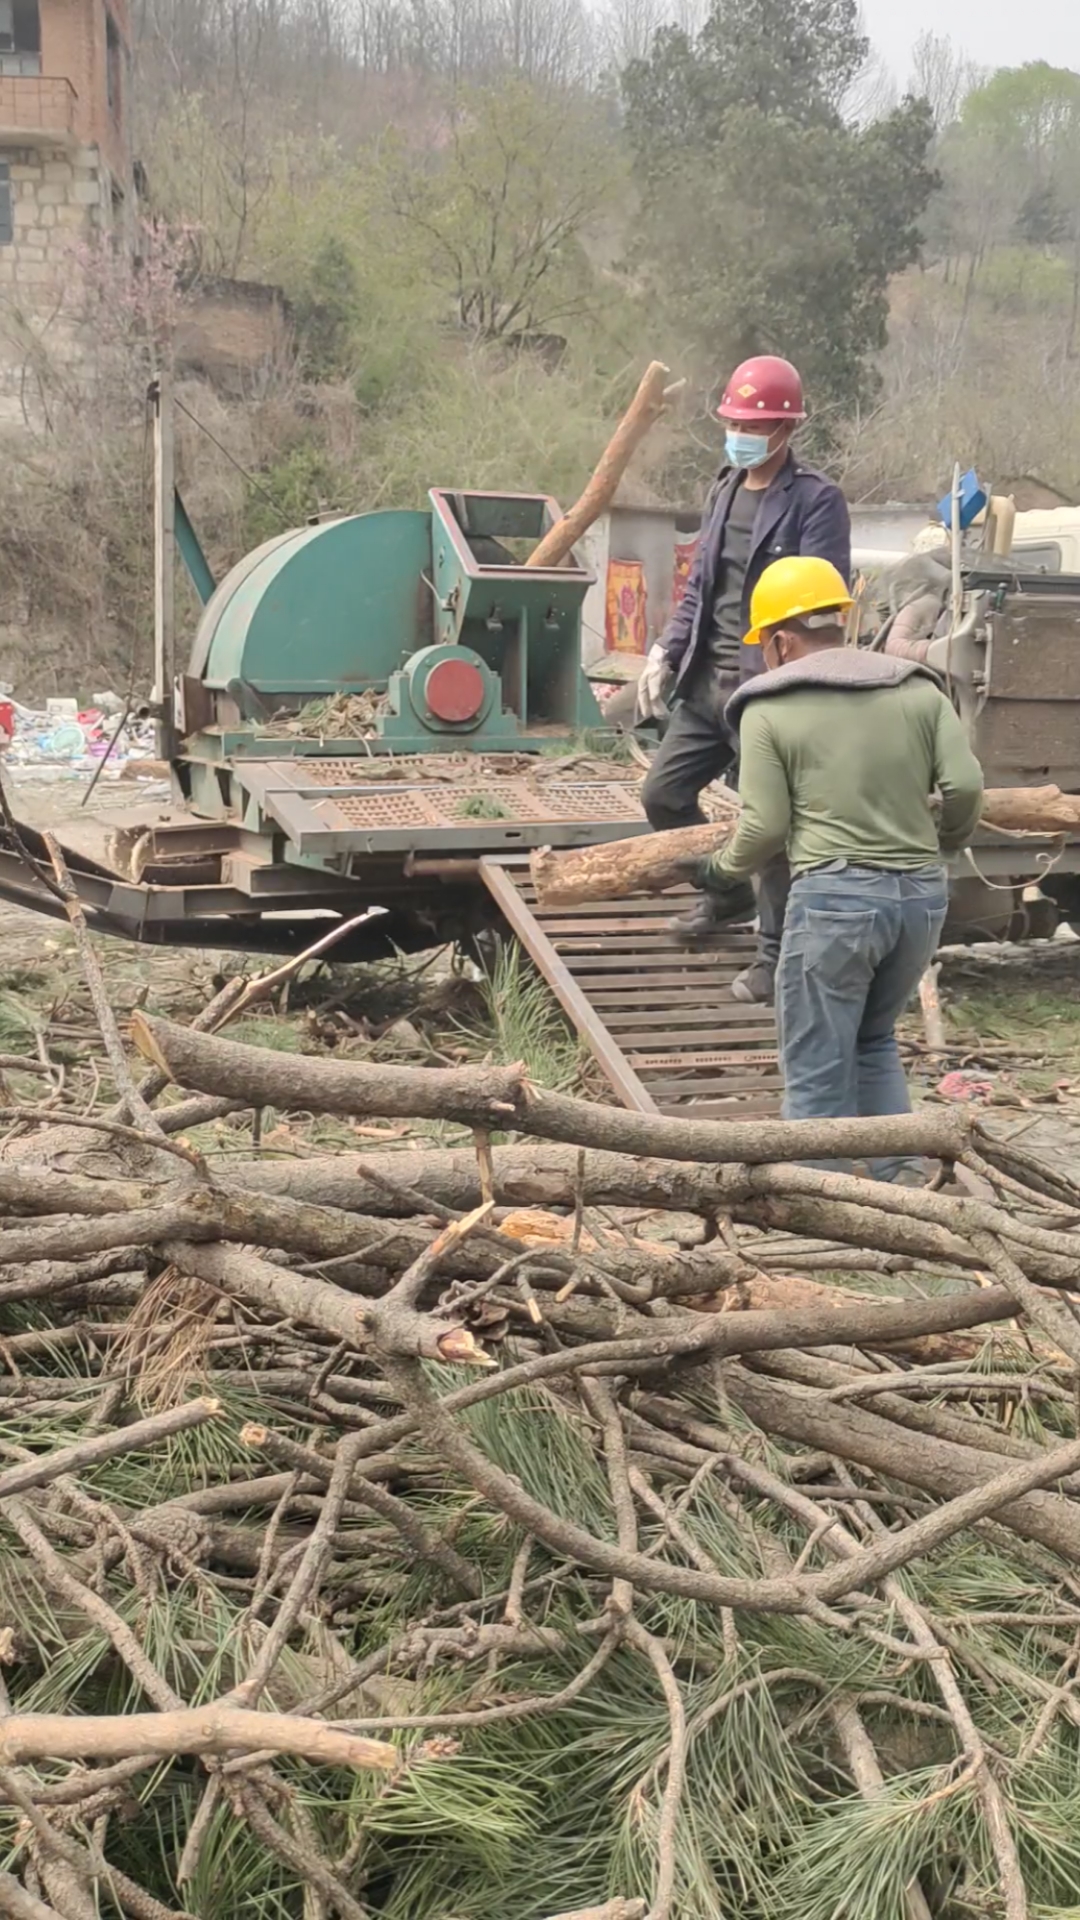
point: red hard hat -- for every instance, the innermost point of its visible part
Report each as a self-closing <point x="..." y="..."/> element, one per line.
<point x="764" y="388"/>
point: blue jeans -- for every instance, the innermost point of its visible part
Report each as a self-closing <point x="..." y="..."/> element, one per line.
<point x="857" y="941"/>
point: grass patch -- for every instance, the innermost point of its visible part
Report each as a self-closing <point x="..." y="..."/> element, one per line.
<point x="480" y="806"/>
<point x="1034" y="1021"/>
<point x="521" y="1021"/>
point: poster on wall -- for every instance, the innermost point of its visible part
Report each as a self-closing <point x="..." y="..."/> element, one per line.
<point x="684" y="560"/>
<point x="627" y="621"/>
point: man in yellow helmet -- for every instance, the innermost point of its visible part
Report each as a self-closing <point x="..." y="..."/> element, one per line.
<point x="842" y="755"/>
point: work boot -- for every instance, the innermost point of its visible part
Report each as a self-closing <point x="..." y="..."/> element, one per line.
<point x="756" y="985"/>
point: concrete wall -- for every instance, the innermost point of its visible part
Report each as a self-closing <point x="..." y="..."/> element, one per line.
<point x="649" y="535"/>
<point x="888" y="529"/>
<point x="646" y="534"/>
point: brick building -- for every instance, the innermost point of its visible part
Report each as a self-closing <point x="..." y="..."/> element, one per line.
<point x="66" y="168"/>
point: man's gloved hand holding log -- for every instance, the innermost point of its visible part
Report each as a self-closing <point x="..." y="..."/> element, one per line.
<point x="731" y="899"/>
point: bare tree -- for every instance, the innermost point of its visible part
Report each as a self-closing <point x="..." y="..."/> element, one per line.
<point x="872" y="94"/>
<point x="942" y="75"/>
<point x="626" y="29"/>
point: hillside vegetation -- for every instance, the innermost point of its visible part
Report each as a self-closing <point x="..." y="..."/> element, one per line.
<point x="487" y="215"/>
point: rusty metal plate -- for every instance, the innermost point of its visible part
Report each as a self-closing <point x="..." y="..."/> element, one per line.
<point x="476" y="814"/>
<point x="1035" y="650"/>
<point x="1036" y="739"/>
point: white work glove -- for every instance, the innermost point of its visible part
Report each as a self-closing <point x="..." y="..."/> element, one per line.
<point x="654" y="685"/>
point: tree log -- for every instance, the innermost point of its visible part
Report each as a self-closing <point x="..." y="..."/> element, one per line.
<point x="942" y="1423"/>
<point x="643" y="412"/>
<point x="482" y="1097"/>
<point x="199" y="1730"/>
<point x="296" y="1226"/>
<point x="652" y="863"/>
<point x="938" y="1467"/>
<point x="1031" y="810"/>
<point x="619" y="869"/>
<point x="502" y="1099"/>
<point x="858" y="1226"/>
<point x="276" y="1291"/>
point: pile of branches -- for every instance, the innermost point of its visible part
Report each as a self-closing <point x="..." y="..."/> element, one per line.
<point x="616" y="1517"/>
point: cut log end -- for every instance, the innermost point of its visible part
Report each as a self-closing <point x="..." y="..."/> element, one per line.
<point x="143" y="1038"/>
<point x="650" y="864"/>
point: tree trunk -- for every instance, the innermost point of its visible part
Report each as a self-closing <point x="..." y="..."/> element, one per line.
<point x="650" y="863"/>
<point x="1032" y="809"/>
<point x="503" y="1100"/>
<point x="644" y="411"/>
<point x="654" y="862"/>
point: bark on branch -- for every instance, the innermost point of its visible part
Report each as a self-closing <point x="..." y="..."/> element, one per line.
<point x="653" y="863"/>
<point x="503" y="1100"/>
<point x="644" y="411"/>
<point x="194" y="1730"/>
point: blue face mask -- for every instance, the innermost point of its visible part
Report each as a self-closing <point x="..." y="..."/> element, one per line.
<point x="748" y="449"/>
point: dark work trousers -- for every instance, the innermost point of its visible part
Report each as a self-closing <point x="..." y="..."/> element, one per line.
<point x="696" y="750"/>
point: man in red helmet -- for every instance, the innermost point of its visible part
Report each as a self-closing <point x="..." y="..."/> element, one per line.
<point x="763" y="506"/>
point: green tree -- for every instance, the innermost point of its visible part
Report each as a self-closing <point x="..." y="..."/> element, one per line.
<point x="769" y="222"/>
<point x="1042" y="220"/>
<point x="327" y="309"/>
<point x="1030" y="111"/>
<point x="797" y="58"/>
<point x="498" y="213"/>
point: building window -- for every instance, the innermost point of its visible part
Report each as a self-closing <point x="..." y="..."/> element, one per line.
<point x="114" y="60"/>
<point x="20" y="37"/>
<point x="7" y="212"/>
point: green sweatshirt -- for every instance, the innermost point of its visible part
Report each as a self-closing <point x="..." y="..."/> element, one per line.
<point x="847" y="773"/>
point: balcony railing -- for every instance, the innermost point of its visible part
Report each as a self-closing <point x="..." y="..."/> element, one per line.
<point x="35" y="109"/>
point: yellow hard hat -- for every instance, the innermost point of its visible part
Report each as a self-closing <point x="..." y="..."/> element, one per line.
<point x="793" y="589"/>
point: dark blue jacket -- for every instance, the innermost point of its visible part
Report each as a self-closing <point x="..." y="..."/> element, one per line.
<point x="802" y="512"/>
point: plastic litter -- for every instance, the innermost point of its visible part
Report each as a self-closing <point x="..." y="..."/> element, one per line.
<point x="965" y="1086"/>
<point x="60" y="740"/>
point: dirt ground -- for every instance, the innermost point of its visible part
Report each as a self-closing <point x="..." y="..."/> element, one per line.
<point x="1012" y="1014"/>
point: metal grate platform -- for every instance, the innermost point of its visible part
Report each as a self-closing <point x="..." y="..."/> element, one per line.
<point x="330" y="807"/>
<point x="450" y="806"/>
<point x="657" y="1016"/>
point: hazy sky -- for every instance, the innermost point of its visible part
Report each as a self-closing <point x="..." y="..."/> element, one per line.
<point x="996" y="33"/>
